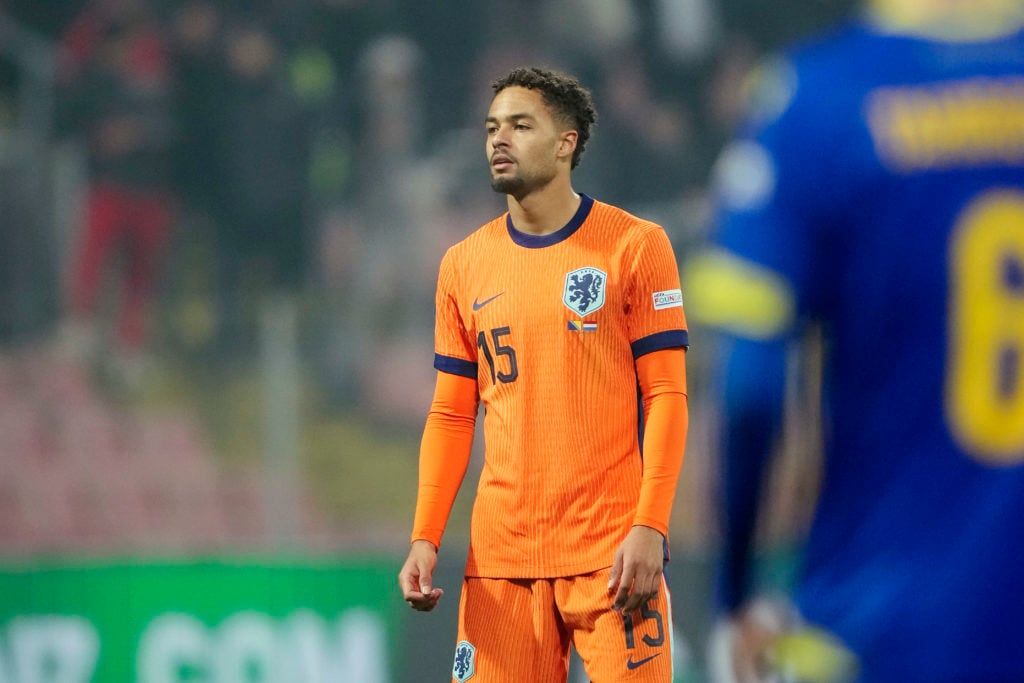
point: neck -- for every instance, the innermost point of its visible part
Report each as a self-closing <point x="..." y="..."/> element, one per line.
<point x="544" y="210"/>
<point x="951" y="20"/>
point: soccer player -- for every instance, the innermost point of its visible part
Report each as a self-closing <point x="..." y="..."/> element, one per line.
<point x="877" y="193"/>
<point x="564" y="317"/>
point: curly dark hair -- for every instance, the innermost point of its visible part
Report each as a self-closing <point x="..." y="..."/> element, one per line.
<point x="569" y="101"/>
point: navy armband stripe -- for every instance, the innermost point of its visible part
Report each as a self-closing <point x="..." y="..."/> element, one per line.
<point x="455" y="366"/>
<point x="661" y="340"/>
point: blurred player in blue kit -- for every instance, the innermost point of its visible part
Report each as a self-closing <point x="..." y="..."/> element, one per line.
<point x="876" y="194"/>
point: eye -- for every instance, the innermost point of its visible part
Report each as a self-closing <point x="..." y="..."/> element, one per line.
<point x="522" y="126"/>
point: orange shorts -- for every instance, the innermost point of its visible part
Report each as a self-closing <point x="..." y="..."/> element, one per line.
<point x="519" y="630"/>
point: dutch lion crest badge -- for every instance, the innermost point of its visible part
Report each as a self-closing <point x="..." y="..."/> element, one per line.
<point x="465" y="661"/>
<point x="584" y="290"/>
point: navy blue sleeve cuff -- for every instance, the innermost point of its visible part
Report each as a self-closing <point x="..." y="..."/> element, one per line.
<point x="455" y="366"/>
<point x="661" y="340"/>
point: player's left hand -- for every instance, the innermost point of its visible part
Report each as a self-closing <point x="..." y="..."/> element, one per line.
<point x="416" y="577"/>
<point x="636" y="571"/>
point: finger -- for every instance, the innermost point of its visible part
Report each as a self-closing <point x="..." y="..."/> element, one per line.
<point x="635" y="601"/>
<point x="422" y="605"/>
<point x="645" y="589"/>
<point x="622" y="594"/>
<point x="425" y="585"/>
<point x="432" y="596"/>
<point x="427" y="602"/>
<point x="419" y="573"/>
<point x="419" y="596"/>
<point x="408" y="584"/>
<point x="615" y="574"/>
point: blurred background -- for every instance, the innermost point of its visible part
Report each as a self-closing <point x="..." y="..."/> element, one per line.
<point x="221" y="224"/>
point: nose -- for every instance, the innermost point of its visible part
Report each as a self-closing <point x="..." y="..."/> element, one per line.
<point x="499" y="138"/>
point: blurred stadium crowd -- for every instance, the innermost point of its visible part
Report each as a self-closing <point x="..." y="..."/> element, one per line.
<point x="184" y="182"/>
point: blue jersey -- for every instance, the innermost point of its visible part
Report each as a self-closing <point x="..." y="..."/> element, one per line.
<point x="879" y="190"/>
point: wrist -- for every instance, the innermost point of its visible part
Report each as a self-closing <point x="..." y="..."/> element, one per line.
<point x="422" y="542"/>
<point x="650" y="529"/>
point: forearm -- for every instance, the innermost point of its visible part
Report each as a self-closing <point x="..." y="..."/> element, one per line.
<point x="445" y="450"/>
<point x="662" y="377"/>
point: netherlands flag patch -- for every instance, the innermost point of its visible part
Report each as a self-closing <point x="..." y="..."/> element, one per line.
<point x="582" y="326"/>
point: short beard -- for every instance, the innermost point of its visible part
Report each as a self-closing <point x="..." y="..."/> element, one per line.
<point x="513" y="185"/>
<point x="520" y="185"/>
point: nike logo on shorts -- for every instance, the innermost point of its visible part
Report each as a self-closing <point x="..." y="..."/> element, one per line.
<point x="477" y="305"/>
<point x="630" y="664"/>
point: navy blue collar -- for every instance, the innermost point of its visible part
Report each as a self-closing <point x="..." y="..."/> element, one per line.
<point x="529" y="241"/>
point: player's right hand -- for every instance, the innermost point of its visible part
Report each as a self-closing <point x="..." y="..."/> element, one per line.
<point x="416" y="577"/>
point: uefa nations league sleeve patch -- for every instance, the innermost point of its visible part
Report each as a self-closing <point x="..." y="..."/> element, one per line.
<point x="669" y="298"/>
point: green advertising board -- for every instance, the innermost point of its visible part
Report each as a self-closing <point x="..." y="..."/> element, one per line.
<point x="214" y="621"/>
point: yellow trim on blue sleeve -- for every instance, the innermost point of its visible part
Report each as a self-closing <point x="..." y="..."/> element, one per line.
<point x="954" y="22"/>
<point x="737" y="295"/>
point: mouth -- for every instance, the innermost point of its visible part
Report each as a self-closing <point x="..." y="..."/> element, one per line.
<point x="501" y="163"/>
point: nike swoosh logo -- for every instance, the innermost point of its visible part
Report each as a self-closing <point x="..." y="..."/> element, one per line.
<point x="477" y="305"/>
<point x="630" y="664"/>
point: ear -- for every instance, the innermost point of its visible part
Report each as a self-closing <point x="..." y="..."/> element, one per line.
<point x="567" y="144"/>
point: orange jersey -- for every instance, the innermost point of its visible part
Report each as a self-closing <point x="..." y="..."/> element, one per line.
<point x="550" y="327"/>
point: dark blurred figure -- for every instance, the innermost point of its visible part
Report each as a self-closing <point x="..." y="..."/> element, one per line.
<point x="871" y="228"/>
<point x="115" y="77"/>
<point x="260" y="148"/>
<point x="196" y="33"/>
